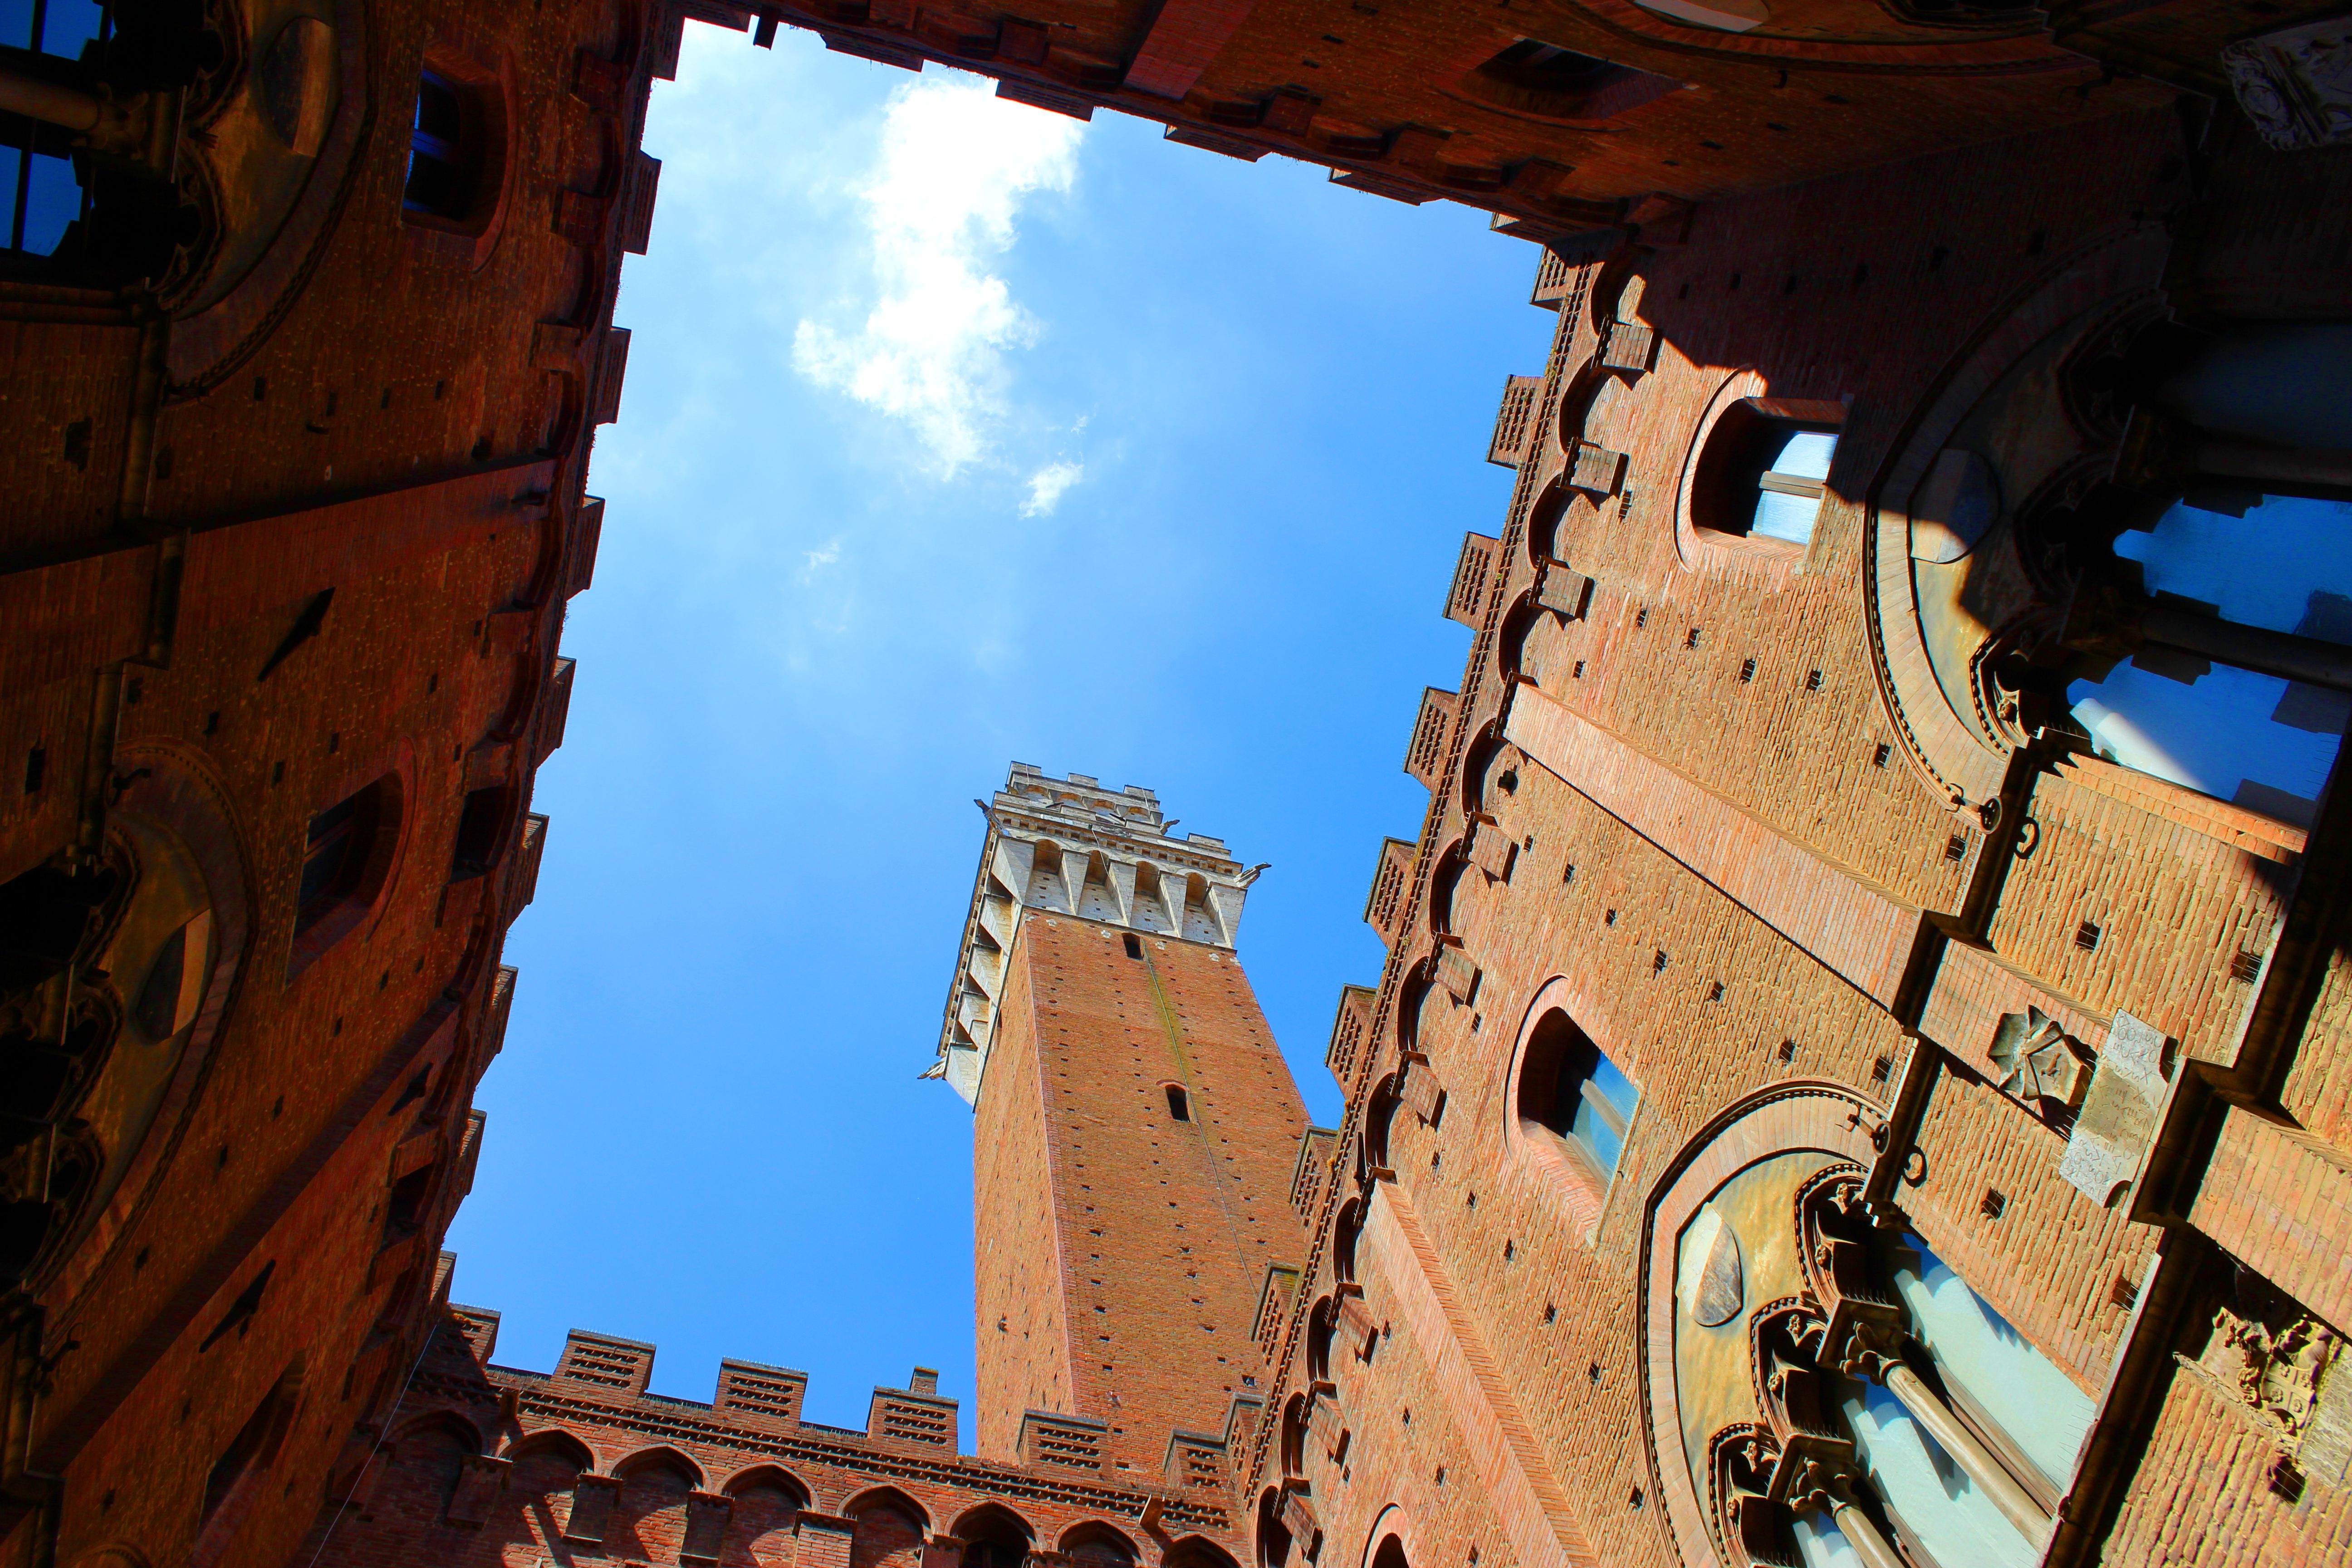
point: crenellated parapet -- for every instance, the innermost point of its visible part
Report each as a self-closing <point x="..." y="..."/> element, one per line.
<point x="585" y="1458"/>
<point x="1072" y="846"/>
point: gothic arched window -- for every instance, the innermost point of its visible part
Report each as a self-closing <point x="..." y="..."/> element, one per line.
<point x="1890" y="1417"/>
<point x="2207" y="636"/>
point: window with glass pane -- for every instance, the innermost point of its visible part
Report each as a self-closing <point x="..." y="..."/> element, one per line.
<point x="441" y="161"/>
<point x="2264" y="741"/>
<point x="1569" y="1087"/>
<point x="37" y="172"/>
<point x="1789" y="491"/>
<point x="1763" y="472"/>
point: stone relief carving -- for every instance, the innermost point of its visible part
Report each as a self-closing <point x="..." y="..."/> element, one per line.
<point x="2295" y="84"/>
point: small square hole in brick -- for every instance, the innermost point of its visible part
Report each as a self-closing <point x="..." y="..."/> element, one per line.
<point x="1637" y="1501"/>
<point x="1878" y="758"/>
<point x="2123" y="1292"/>
<point x="1715" y="993"/>
<point x="1788" y="1050"/>
<point x="1567" y="874"/>
<point x="1747" y="670"/>
<point x="2285" y="1480"/>
<point x="1609" y="918"/>
<point x="1881" y="1070"/>
<point x="1510" y="1250"/>
<point x="1658" y="961"/>
<point x="1691" y="639"/>
<point x="2245" y="967"/>
<point x="1956" y="848"/>
<point x="2086" y="936"/>
<point x="1578" y="673"/>
<point x="1592" y="1372"/>
<point x="1551" y="1313"/>
<point x="1992" y="1205"/>
<point x="1642" y="617"/>
<point x="1812" y="680"/>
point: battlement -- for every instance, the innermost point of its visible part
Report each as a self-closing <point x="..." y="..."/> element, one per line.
<point x="1075" y="846"/>
<point x="594" y="1407"/>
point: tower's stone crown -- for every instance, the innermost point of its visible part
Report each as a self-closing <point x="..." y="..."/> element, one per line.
<point x="1072" y="846"/>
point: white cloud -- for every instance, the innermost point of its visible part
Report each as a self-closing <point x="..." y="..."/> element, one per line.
<point x="955" y="165"/>
<point x="825" y="555"/>
<point x="1046" y="485"/>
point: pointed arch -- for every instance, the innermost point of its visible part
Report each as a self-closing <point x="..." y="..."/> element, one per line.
<point x="874" y="1497"/>
<point x="1095" y="1542"/>
<point x="447" y="1421"/>
<point x="1196" y="1552"/>
<point x="774" y="1476"/>
<point x="993" y="1520"/>
<point x="552" y="1441"/>
<point x="663" y="1455"/>
<point x="1392" y="1528"/>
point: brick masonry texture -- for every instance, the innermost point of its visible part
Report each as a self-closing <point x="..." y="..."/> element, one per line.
<point x="1818" y="877"/>
<point x="1122" y="1251"/>
<point x="591" y="1470"/>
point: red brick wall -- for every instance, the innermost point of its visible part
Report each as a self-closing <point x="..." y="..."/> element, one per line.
<point x="783" y="1492"/>
<point x="1163" y="1228"/>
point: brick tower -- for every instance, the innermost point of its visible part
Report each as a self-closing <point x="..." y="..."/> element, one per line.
<point x="1134" y="1126"/>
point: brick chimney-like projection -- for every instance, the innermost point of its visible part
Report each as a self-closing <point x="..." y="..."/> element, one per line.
<point x="1134" y="1129"/>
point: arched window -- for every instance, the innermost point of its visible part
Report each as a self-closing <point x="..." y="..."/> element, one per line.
<point x="338" y="851"/>
<point x="1764" y="470"/>
<point x="1898" y="1417"/>
<point x="1573" y="1094"/>
<point x="994" y="1537"/>
<point x="889" y="1534"/>
<point x="445" y="158"/>
<point x="346" y="856"/>
<point x="457" y="134"/>
<point x="1531" y="77"/>
<point x="1097" y="1545"/>
<point x="2206" y="634"/>
<point x="1320" y="1324"/>
<point x="1273" y="1536"/>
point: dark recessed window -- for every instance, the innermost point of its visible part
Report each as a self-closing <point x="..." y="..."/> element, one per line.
<point x="1134" y="946"/>
<point x="481" y="833"/>
<point x="335" y="860"/>
<point x="1532" y="76"/>
<point x="1180" y="1104"/>
<point x="444" y="151"/>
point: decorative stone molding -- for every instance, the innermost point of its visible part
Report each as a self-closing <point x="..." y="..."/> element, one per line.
<point x="2295" y="84"/>
<point x="1071" y="846"/>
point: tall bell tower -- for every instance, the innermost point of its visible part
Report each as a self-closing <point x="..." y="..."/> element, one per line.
<point x="1135" y="1126"/>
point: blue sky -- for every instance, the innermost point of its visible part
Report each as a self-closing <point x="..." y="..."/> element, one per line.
<point x="955" y="433"/>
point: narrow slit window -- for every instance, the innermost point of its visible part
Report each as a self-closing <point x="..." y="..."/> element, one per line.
<point x="1134" y="944"/>
<point x="1180" y="1104"/>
